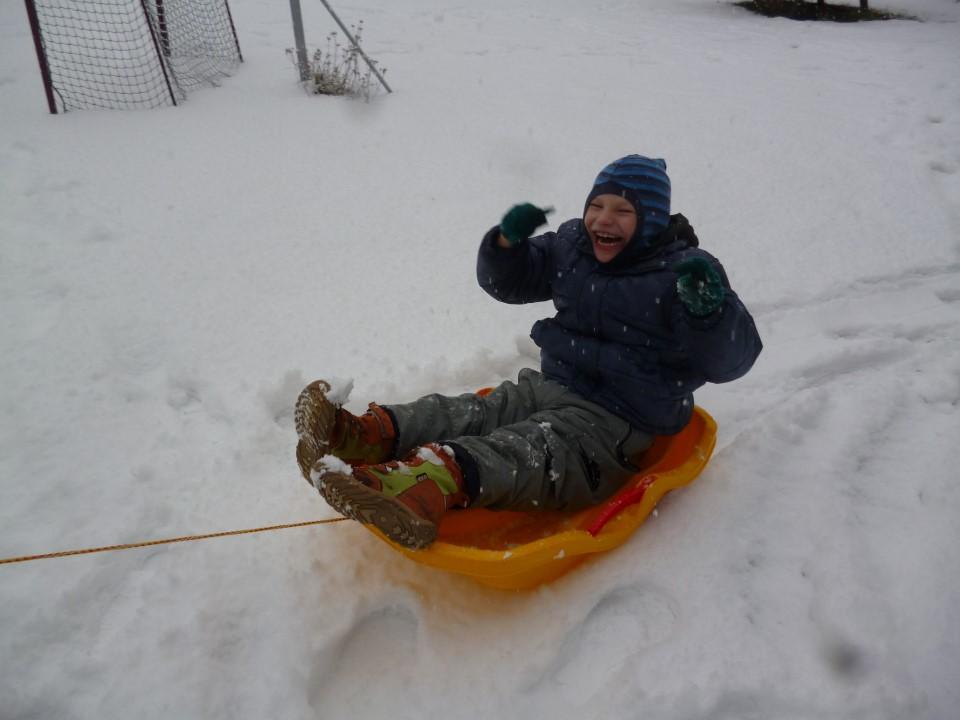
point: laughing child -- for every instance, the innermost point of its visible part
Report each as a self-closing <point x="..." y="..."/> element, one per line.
<point x="644" y="317"/>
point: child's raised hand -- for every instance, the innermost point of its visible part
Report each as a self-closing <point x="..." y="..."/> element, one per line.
<point x="699" y="287"/>
<point x="521" y="220"/>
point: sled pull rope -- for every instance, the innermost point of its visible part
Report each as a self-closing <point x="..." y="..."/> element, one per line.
<point x="148" y="543"/>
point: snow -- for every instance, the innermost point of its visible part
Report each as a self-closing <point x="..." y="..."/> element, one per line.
<point x="428" y="455"/>
<point x="170" y="279"/>
<point x="328" y="464"/>
<point x="340" y="389"/>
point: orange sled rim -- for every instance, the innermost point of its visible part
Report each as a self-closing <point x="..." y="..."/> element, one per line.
<point x="521" y="550"/>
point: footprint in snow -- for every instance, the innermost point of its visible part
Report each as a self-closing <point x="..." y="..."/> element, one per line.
<point x="624" y="622"/>
<point x="948" y="295"/>
<point x="183" y="391"/>
<point x="944" y="167"/>
<point x="350" y="672"/>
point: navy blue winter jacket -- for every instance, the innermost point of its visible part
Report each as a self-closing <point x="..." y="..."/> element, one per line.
<point x="621" y="338"/>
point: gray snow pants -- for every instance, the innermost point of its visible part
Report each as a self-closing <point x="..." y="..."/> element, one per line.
<point x="527" y="445"/>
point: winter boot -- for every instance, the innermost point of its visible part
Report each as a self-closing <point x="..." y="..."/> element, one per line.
<point x="404" y="499"/>
<point x="324" y="427"/>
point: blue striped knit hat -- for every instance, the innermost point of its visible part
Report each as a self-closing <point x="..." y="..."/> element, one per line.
<point x="644" y="182"/>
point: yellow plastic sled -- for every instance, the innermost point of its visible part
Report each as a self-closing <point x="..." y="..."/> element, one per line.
<point x="521" y="550"/>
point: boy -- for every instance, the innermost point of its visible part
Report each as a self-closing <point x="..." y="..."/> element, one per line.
<point x="644" y="317"/>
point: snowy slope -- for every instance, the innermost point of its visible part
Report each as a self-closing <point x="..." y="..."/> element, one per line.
<point x="170" y="279"/>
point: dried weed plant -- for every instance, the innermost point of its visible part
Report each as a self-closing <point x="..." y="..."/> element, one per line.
<point x="339" y="69"/>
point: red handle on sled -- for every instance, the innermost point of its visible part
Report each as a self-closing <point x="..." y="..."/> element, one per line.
<point x="619" y="502"/>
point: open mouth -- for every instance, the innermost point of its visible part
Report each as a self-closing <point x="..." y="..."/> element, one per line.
<point x="607" y="239"/>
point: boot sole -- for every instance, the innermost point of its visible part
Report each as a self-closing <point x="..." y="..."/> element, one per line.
<point x="350" y="497"/>
<point x="313" y="416"/>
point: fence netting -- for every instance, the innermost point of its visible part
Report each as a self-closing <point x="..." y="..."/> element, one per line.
<point x="134" y="54"/>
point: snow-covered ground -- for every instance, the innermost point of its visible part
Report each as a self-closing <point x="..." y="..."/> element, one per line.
<point x="169" y="279"/>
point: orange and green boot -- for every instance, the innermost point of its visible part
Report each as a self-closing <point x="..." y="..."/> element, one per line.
<point x="404" y="499"/>
<point x="324" y="427"/>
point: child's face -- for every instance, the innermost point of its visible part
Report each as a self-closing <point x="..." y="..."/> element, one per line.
<point x="610" y="221"/>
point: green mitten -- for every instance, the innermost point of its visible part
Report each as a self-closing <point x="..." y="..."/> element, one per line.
<point x="521" y="220"/>
<point x="699" y="287"/>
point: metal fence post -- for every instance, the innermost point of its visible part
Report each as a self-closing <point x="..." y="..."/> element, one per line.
<point x="301" y="44"/>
